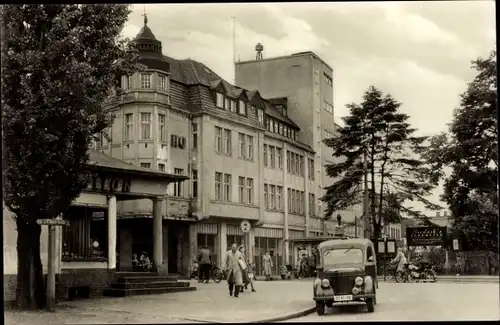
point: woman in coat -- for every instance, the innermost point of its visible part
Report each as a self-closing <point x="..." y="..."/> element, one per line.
<point x="234" y="271"/>
<point x="246" y="280"/>
<point x="268" y="265"/>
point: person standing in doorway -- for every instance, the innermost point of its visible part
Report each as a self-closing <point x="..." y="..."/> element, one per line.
<point x="233" y="270"/>
<point x="205" y="261"/>
<point x="268" y="265"/>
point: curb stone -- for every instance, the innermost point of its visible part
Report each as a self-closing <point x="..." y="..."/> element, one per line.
<point x="287" y="317"/>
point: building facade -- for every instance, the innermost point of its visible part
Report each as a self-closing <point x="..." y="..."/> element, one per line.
<point x="303" y="84"/>
<point x="247" y="159"/>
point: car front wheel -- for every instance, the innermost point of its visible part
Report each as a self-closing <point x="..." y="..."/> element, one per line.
<point x="370" y="305"/>
<point x="320" y="308"/>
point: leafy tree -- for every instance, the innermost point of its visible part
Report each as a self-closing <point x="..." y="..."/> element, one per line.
<point x="376" y="129"/>
<point x="59" y="63"/>
<point x="470" y="151"/>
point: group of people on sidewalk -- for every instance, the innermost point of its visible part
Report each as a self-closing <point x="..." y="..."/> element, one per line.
<point x="239" y="272"/>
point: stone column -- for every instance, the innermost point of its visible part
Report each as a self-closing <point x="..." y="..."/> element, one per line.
<point x="158" y="235"/>
<point x="112" y="232"/>
<point x="222" y="240"/>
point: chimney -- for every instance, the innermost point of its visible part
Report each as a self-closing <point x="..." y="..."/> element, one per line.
<point x="438" y="214"/>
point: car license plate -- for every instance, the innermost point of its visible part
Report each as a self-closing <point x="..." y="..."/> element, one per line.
<point x="343" y="298"/>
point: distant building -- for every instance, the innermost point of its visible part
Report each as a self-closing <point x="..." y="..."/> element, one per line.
<point x="302" y="85"/>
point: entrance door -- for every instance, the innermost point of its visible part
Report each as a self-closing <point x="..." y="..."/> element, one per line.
<point x="173" y="242"/>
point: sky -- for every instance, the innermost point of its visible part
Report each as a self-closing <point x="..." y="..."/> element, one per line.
<point x="418" y="51"/>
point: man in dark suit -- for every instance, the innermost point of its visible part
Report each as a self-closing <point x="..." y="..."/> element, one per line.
<point x="205" y="261"/>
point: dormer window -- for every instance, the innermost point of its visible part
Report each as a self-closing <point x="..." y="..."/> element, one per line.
<point x="281" y="129"/>
<point x="220" y="100"/>
<point x="275" y="127"/>
<point x="227" y="104"/>
<point x="242" y="109"/>
<point x="145" y="80"/>
<point x="163" y="83"/>
<point x="260" y="116"/>
<point x="233" y="106"/>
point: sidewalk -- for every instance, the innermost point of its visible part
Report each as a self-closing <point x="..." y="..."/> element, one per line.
<point x="459" y="279"/>
<point x="273" y="301"/>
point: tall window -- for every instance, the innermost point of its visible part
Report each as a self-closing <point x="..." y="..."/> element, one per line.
<point x="241" y="145"/>
<point x="260" y="116"/>
<point x="281" y="129"/>
<point x="218" y="186"/>
<point x="241" y="189"/>
<point x="288" y="161"/>
<point x="265" y="155"/>
<point x="242" y="109"/>
<point x="289" y="199"/>
<point x="227" y="142"/>
<point x="250" y="190"/>
<point x="272" y="156"/>
<point x="294" y="166"/>
<point x="220" y="100"/>
<point x="178" y="185"/>
<point x="279" y="198"/>
<point x="279" y="158"/>
<point x="194" y="178"/>
<point x="146" y="165"/>
<point x="145" y="80"/>
<point x="161" y="128"/>
<point x="312" y="205"/>
<point x="310" y="165"/>
<point x="233" y="106"/>
<point x="163" y="83"/>
<point x="125" y="82"/>
<point x="218" y="139"/>
<point x="227" y="104"/>
<point x="249" y="147"/>
<point x="301" y="202"/>
<point x="194" y="127"/>
<point x="227" y="187"/>
<point x="129" y="124"/>
<point x="161" y="167"/>
<point x="272" y="197"/>
<point x="266" y="198"/>
<point x="145" y="126"/>
<point x="301" y="165"/>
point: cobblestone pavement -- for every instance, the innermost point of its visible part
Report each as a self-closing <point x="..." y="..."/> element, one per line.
<point x="210" y="303"/>
<point x="441" y="301"/>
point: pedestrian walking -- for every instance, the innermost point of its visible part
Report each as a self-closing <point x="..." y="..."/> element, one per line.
<point x="246" y="280"/>
<point x="268" y="265"/>
<point x="234" y="270"/>
<point x="205" y="264"/>
<point x="251" y="275"/>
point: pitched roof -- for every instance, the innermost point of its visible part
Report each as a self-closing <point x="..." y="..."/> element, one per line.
<point x="102" y="160"/>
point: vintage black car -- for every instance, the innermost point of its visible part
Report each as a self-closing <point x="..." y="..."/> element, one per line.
<point x="347" y="272"/>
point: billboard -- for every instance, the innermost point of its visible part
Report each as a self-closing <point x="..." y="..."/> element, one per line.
<point x="426" y="236"/>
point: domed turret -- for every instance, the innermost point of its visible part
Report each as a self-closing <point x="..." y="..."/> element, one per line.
<point x="150" y="50"/>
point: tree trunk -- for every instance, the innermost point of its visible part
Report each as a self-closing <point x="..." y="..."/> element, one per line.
<point x="30" y="290"/>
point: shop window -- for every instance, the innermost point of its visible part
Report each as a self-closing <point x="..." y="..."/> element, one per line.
<point x="231" y="239"/>
<point x="209" y="241"/>
<point x="85" y="239"/>
<point x="263" y="245"/>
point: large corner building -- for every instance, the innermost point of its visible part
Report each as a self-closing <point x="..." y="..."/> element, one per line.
<point x="252" y="152"/>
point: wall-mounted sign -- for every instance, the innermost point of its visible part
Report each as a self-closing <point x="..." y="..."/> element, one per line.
<point x="245" y="226"/>
<point x="177" y="142"/>
<point x="426" y="236"/>
<point x="104" y="183"/>
<point x="52" y="222"/>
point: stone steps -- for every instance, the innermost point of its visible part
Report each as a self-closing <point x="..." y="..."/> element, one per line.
<point x="115" y="292"/>
<point x="142" y="283"/>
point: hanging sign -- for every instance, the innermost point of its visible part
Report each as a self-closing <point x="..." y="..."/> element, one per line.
<point x="245" y="226"/>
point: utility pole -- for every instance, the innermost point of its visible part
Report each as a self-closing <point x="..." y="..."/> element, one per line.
<point x="366" y="201"/>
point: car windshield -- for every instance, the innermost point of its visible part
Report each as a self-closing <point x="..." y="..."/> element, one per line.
<point x="337" y="256"/>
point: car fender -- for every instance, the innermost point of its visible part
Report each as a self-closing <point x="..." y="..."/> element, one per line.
<point x="368" y="284"/>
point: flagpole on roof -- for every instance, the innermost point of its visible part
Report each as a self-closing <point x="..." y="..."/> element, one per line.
<point x="234" y="48"/>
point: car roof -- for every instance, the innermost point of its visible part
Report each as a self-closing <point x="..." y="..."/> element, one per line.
<point x="346" y="243"/>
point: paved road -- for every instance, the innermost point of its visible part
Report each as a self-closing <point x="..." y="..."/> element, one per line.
<point x="422" y="302"/>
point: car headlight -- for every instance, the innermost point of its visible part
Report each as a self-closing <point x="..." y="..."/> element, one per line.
<point x="325" y="283"/>
<point x="355" y="290"/>
<point x="358" y="281"/>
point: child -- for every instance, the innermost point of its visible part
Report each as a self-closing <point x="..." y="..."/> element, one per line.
<point x="135" y="262"/>
<point x="250" y="275"/>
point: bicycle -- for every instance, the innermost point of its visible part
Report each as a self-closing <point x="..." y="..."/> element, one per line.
<point x="216" y="274"/>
